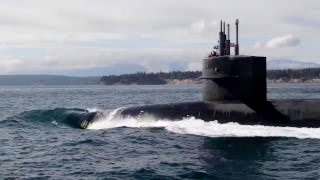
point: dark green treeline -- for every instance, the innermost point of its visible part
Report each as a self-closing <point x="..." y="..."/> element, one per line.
<point x="142" y="78"/>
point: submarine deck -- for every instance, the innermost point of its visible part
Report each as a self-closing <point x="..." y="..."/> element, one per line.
<point x="295" y="113"/>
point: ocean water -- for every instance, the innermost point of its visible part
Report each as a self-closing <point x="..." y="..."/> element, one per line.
<point x="37" y="143"/>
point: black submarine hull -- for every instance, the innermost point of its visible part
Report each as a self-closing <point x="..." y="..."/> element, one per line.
<point x="291" y="113"/>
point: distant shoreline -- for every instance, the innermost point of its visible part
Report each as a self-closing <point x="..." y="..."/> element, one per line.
<point x="293" y="81"/>
<point x="198" y="81"/>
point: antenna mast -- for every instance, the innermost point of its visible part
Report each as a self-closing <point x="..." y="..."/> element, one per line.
<point x="236" y="48"/>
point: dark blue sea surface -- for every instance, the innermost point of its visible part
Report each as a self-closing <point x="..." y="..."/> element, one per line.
<point x="36" y="142"/>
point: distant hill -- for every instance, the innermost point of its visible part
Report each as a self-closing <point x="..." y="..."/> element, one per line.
<point x="290" y="64"/>
<point x="26" y="80"/>
<point x="175" y="77"/>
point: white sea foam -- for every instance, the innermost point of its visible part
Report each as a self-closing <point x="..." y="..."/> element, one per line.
<point x="94" y="109"/>
<point x="195" y="126"/>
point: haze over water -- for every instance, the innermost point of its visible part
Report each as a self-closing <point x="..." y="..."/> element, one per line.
<point x="36" y="141"/>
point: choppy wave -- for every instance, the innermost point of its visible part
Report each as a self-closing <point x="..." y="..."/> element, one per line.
<point x="195" y="126"/>
<point x="59" y="116"/>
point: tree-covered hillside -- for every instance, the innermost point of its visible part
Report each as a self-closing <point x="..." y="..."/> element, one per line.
<point x="305" y="74"/>
<point x="143" y="78"/>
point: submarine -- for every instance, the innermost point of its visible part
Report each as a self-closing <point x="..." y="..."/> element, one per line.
<point x="234" y="90"/>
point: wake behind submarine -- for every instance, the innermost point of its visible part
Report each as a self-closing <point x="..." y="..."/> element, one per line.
<point x="234" y="90"/>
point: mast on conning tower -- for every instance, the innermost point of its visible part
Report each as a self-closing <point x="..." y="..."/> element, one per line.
<point x="227" y="49"/>
<point x="236" y="48"/>
<point x="221" y="41"/>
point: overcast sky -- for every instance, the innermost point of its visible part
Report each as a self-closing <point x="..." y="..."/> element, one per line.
<point x="59" y="36"/>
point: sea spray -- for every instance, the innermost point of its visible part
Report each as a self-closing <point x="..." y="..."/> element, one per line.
<point x="199" y="127"/>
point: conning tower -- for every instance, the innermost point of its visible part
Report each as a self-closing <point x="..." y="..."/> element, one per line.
<point x="233" y="77"/>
